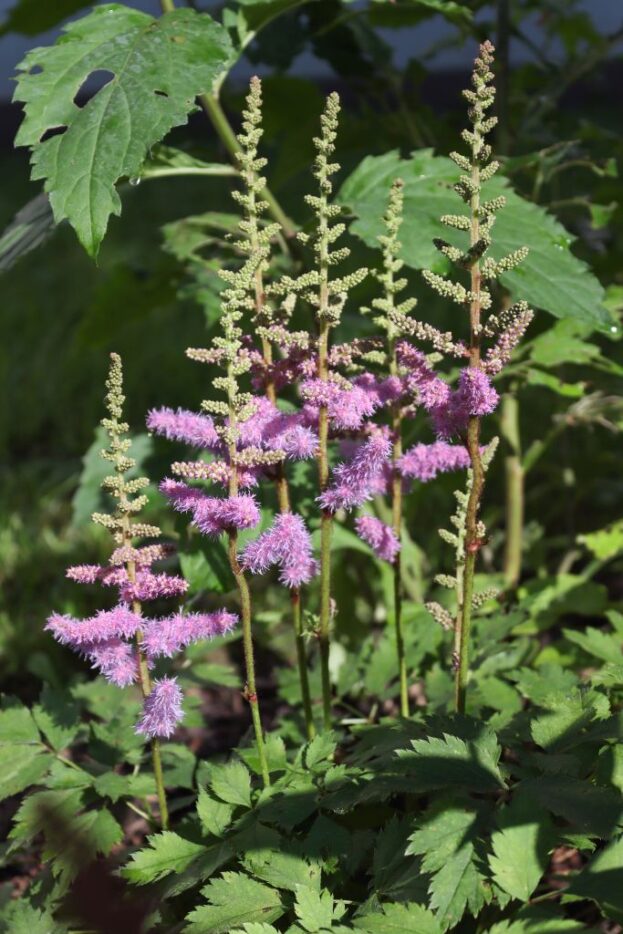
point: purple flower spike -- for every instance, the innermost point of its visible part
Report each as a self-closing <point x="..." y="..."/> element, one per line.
<point x="475" y="396"/>
<point x="165" y="637"/>
<point x="115" y="659"/>
<point x="286" y="543"/>
<point x="380" y="537"/>
<point x="162" y="709"/>
<point x="191" y="427"/>
<point x="424" y="461"/>
<point x="356" y="480"/>
<point x="105" y="625"/>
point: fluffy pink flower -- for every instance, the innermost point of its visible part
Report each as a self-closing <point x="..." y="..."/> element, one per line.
<point x="421" y="381"/>
<point x="115" y="659"/>
<point x="424" y="461"/>
<point x="287" y="544"/>
<point x="150" y="586"/>
<point x="354" y="481"/>
<point x="162" y="709"/>
<point x="380" y="537"/>
<point x="105" y="625"/>
<point x="347" y="407"/>
<point x="183" y="425"/>
<point x="213" y="516"/>
<point x="85" y="573"/>
<point x="475" y="396"/>
<point x="171" y="634"/>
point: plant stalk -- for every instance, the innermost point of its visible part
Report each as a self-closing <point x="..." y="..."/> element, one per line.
<point x="472" y="542"/>
<point x="514" y="472"/>
<point x="396" y="497"/>
<point x="245" y="602"/>
<point x="326" y="525"/>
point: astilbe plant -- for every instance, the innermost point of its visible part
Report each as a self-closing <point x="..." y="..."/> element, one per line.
<point x="460" y="413"/>
<point x="122" y="643"/>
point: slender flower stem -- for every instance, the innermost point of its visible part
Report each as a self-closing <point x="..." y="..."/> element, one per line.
<point x="509" y="424"/>
<point x="249" y="661"/>
<point x="245" y="601"/>
<point x="472" y="542"/>
<point x="326" y="524"/>
<point x="396" y="497"/>
<point x="216" y="115"/>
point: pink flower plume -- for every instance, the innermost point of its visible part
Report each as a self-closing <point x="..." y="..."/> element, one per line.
<point x="424" y="461"/>
<point x="162" y="709"/>
<point x="356" y="480"/>
<point x="192" y="427"/>
<point x="286" y="543"/>
<point x="380" y="537"/>
<point x="171" y="634"/>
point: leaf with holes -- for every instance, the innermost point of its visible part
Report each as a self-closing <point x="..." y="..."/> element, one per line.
<point x="156" y="69"/>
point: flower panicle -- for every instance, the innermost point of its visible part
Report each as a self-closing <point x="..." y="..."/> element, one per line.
<point x="125" y="490"/>
<point x="392" y="316"/>
<point x="477" y="168"/>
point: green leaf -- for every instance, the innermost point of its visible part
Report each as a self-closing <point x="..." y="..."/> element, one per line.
<point x="595" y="642"/>
<point x="568" y="714"/>
<point x="446" y="841"/>
<point x="57" y="716"/>
<point x="317" y="910"/>
<point x="231" y="783"/>
<point x="234" y="899"/>
<point x="565" y="342"/>
<point x="282" y="869"/>
<point x="605" y="543"/>
<point x="215" y="815"/>
<point x="167" y="852"/>
<point x="256" y="927"/>
<point x="17" y="725"/>
<point x="158" y="68"/>
<point x="394" y="874"/>
<point x="112" y="785"/>
<point x="399" y="919"/>
<point x="551" y="278"/>
<point x="319" y="752"/>
<point x="438" y="762"/>
<point x="591" y="809"/>
<point x="539" y="919"/>
<point x="26" y="919"/>
<point x="21" y="766"/>
<point x="602" y="880"/>
<point x="520" y="847"/>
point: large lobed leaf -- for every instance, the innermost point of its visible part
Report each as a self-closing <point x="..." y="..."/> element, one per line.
<point x="551" y="278"/>
<point x="157" y="68"/>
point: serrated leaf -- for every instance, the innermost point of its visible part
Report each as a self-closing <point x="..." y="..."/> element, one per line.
<point x="282" y="869"/>
<point x="605" y="543"/>
<point x="438" y="762"/>
<point x="551" y="278"/>
<point x="319" y="751"/>
<point x="567" y="716"/>
<point x="17" y="725"/>
<point x="167" y="852"/>
<point x="215" y="815"/>
<point x="399" y="919"/>
<point x="595" y="642"/>
<point x="538" y="919"/>
<point x="317" y="910"/>
<point x="57" y="716"/>
<point x="158" y="68"/>
<point x="602" y="880"/>
<point x="589" y="808"/>
<point x="231" y="783"/>
<point x="446" y="841"/>
<point x="520" y="847"/>
<point x="21" y="766"/>
<point x="234" y="899"/>
<point x="394" y="871"/>
<point x="256" y="927"/>
<point x="26" y="919"/>
<point x="112" y="785"/>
